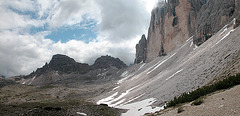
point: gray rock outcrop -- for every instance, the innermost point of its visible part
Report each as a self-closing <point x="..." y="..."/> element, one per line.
<point x="141" y="49"/>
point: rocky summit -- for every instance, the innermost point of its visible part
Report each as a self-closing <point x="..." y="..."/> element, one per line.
<point x="141" y="49"/>
<point x="62" y="67"/>
<point x="107" y="62"/>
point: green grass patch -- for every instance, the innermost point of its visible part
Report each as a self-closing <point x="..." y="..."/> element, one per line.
<point x="188" y="97"/>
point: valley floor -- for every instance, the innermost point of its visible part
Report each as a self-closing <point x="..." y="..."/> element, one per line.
<point x="51" y="100"/>
<point x="221" y="103"/>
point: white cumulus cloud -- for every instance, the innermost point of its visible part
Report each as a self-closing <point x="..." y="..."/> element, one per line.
<point x="119" y="26"/>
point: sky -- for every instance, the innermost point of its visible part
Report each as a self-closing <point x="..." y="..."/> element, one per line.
<point x="31" y="31"/>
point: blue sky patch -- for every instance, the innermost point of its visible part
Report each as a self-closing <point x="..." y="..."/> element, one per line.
<point x="84" y="33"/>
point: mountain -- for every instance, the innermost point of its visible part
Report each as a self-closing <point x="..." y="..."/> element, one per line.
<point x="174" y="22"/>
<point x="141" y="49"/>
<point x="183" y="69"/>
<point x="63" y="69"/>
<point x="190" y="44"/>
<point x="4" y="81"/>
<point x="108" y="61"/>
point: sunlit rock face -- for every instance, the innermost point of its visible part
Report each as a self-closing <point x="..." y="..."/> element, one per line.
<point x="173" y="22"/>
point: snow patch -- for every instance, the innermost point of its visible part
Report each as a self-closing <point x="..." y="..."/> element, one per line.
<point x="83" y="114"/>
<point x="123" y="79"/>
<point x="106" y="100"/>
<point x="174" y="74"/>
<point x="117" y="103"/>
<point x="140" y="108"/>
<point x="116" y="88"/>
<point x="32" y="80"/>
<point x="195" y="47"/>
<point x="223" y="37"/>
<point x="132" y="99"/>
<point x="111" y="99"/>
<point x="186" y="42"/>
<point x="189" y="39"/>
<point x="124" y="74"/>
<point x="223" y="31"/>
<point x="191" y="44"/>
<point x="120" y="97"/>
<point x="160" y="64"/>
<point x="141" y="66"/>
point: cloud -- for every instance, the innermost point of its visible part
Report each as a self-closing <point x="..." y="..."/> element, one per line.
<point x="71" y="12"/>
<point x="119" y="26"/>
<point x="20" y="54"/>
<point x="122" y="19"/>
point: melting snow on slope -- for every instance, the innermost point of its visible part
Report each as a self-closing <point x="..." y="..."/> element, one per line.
<point x="111" y="99"/>
<point x="32" y="80"/>
<point x="140" y="108"/>
<point x="142" y="66"/>
<point x="174" y="74"/>
<point x="116" y="88"/>
<point x="223" y="31"/>
<point x="106" y="100"/>
<point x="191" y="44"/>
<point x="189" y="39"/>
<point x="132" y="99"/>
<point x="186" y="42"/>
<point x="161" y="63"/>
<point x="124" y="74"/>
<point x="123" y="79"/>
<point x="223" y="37"/>
<point x="80" y="113"/>
<point x="195" y="47"/>
<point x="23" y="83"/>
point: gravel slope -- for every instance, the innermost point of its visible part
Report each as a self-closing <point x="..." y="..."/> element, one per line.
<point x="222" y="103"/>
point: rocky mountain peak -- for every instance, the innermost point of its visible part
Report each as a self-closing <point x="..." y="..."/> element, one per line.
<point x="66" y="64"/>
<point x="141" y="49"/>
<point x="108" y="61"/>
<point x="59" y="59"/>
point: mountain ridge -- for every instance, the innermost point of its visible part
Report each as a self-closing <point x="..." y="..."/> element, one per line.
<point x="62" y="67"/>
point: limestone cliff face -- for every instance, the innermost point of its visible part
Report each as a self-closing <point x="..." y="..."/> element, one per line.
<point x="168" y="27"/>
<point x="175" y="21"/>
<point x="141" y="49"/>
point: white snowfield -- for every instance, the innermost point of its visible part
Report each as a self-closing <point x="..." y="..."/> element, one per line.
<point x="146" y="87"/>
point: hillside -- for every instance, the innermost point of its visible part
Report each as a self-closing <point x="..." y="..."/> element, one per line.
<point x="222" y="103"/>
<point x="184" y="69"/>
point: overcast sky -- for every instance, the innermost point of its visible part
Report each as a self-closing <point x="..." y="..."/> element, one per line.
<point x="31" y="31"/>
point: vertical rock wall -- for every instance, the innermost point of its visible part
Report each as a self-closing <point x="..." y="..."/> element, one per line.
<point x="173" y="22"/>
<point x="141" y="49"/>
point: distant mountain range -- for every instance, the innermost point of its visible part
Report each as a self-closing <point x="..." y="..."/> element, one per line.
<point x="63" y="69"/>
